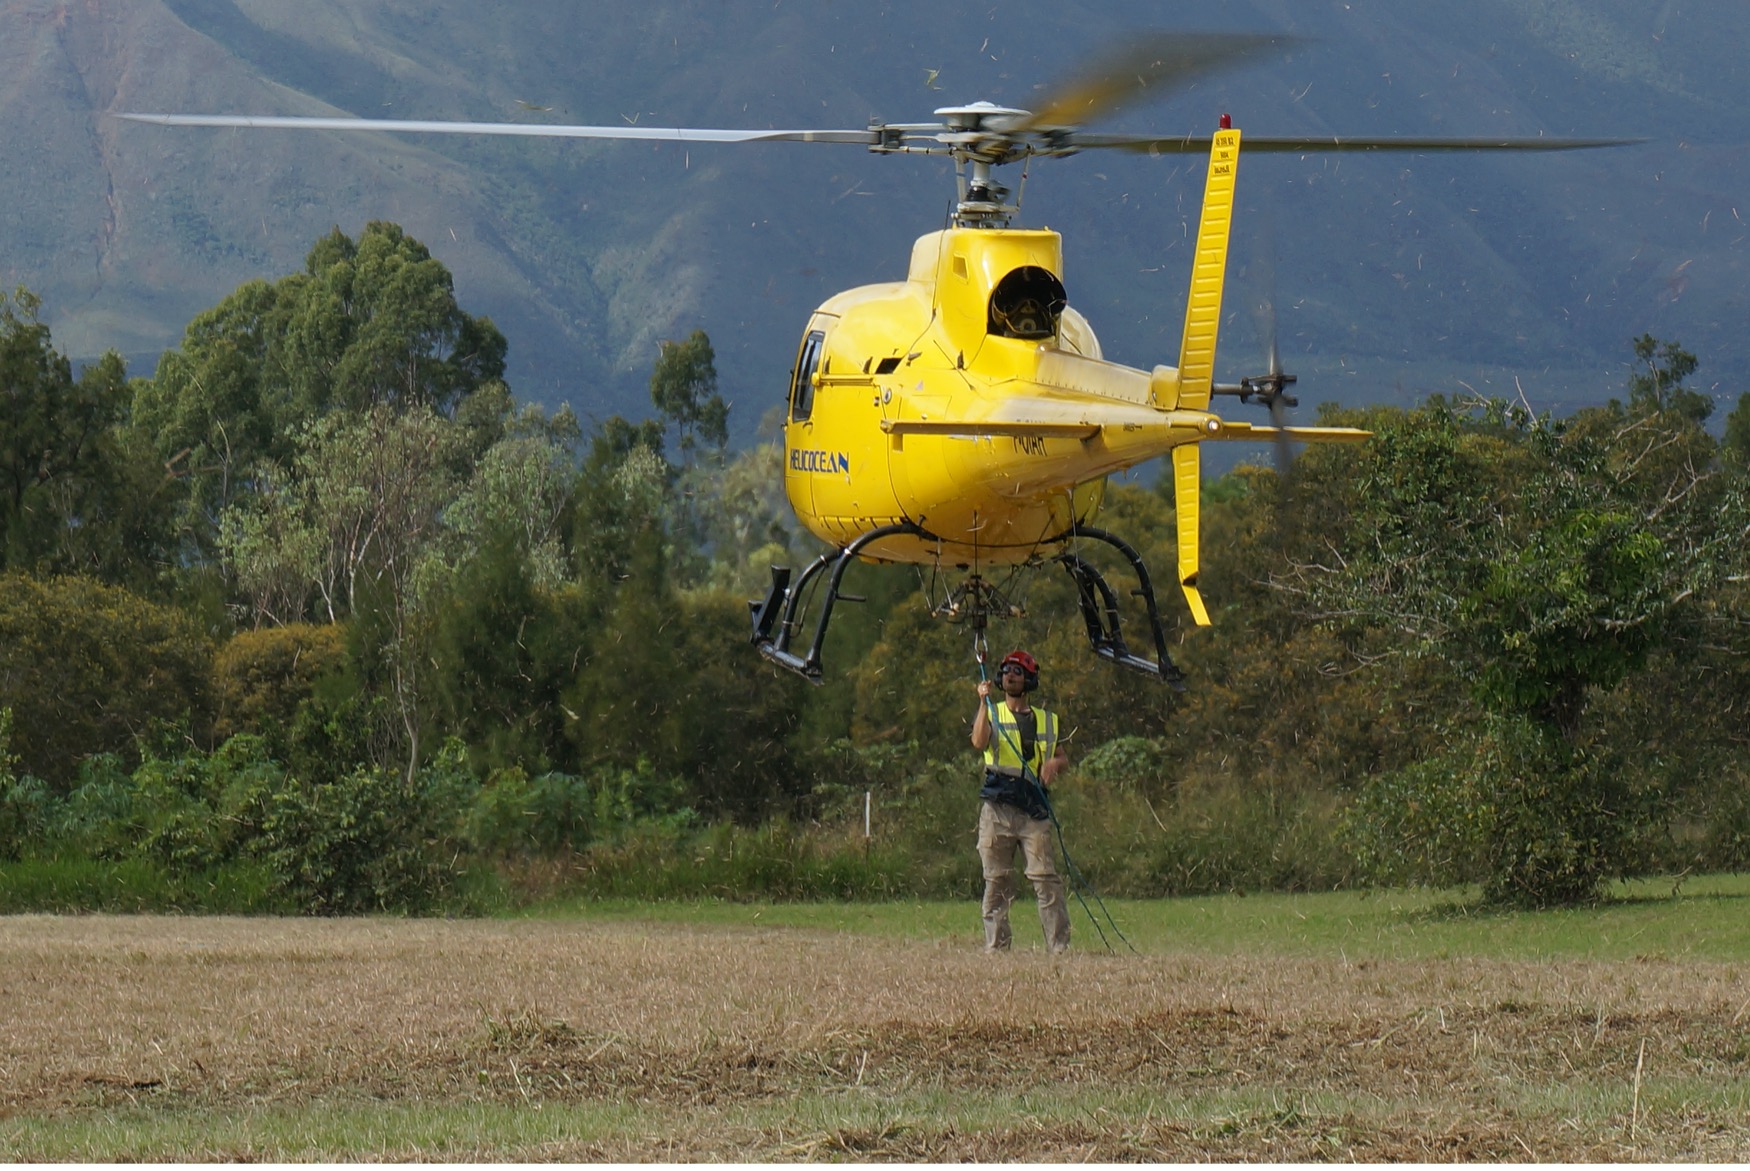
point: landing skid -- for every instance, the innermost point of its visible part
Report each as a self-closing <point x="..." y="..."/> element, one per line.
<point x="774" y="619"/>
<point x="1100" y="610"/>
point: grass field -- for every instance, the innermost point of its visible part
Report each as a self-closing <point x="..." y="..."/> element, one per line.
<point x="1384" y="1026"/>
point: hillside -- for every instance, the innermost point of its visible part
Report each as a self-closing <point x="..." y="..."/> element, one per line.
<point x="1394" y="276"/>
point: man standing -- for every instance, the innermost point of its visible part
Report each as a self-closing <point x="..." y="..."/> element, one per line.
<point x="1022" y="756"/>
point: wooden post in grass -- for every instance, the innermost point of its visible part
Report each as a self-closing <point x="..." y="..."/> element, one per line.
<point x="1634" y="1118"/>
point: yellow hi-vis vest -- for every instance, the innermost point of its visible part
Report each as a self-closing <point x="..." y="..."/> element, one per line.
<point x="1003" y="755"/>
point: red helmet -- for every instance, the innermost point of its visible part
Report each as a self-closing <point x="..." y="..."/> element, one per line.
<point x="1028" y="664"/>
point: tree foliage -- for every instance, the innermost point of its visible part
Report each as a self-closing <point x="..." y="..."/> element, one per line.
<point x="1656" y="386"/>
<point x="261" y="676"/>
<point x="371" y="325"/>
<point x="450" y="627"/>
<point x="683" y="386"/>
<point x="87" y="668"/>
<point x="64" y="482"/>
<point x="1736" y="445"/>
<point x="1545" y="562"/>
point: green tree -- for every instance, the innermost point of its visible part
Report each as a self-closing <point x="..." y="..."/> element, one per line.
<point x="216" y="407"/>
<point x="622" y="497"/>
<point x="364" y="498"/>
<point x="1736" y="444"/>
<point x="369" y="324"/>
<point x="745" y="522"/>
<point x="666" y="692"/>
<point x="1544" y="563"/>
<point x="505" y="650"/>
<point x="376" y="323"/>
<point x="737" y="723"/>
<point x="356" y="523"/>
<point x="58" y="474"/>
<point x="1657" y="382"/>
<point x="683" y="385"/>
<point x="519" y="489"/>
<point x="508" y="629"/>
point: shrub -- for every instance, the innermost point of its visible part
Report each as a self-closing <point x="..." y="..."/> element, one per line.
<point x="198" y="808"/>
<point x="925" y="813"/>
<point x="337" y="729"/>
<point x="263" y="675"/>
<point x="365" y="840"/>
<point x="1563" y="825"/>
<point x="1221" y="832"/>
<point x="235" y="829"/>
<point x="634" y="796"/>
<point x="1128" y="762"/>
<point x="355" y="844"/>
<point x="25" y="805"/>
<point x="87" y="667"/>
<point x="1711" y="830"/>
<point x="1535" y="819"/>
<point x="97" y="818"/>
<point x="1422" y="824"/>
<point x="22" y="799"/>
<point x="513" y="815"/>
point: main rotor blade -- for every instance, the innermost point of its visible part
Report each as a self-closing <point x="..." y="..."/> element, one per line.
<point x="1159" y="63"/>
<point x="518" y="129"/>
<point x="1320" y="144"/>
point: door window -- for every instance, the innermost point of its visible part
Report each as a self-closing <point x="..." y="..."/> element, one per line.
<point x="802" y="385"/>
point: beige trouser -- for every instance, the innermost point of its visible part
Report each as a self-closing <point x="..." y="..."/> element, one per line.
<point x="1000" y="829"/>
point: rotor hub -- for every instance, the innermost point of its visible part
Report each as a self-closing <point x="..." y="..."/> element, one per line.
<point x="1269" y="389"/>
<point x="983" y="130"/>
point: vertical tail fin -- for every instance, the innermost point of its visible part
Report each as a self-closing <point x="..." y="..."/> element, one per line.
<point x="1208" y="271"/>
<point x="1197" y="350"/>
<point x="1187" y="489"/>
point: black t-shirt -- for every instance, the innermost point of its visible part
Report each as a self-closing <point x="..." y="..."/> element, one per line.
<point x="1027" y="723"/>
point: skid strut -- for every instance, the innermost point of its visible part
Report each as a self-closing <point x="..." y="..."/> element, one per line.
<point x="775" y="620"/>
<point x="1100" y="610"/>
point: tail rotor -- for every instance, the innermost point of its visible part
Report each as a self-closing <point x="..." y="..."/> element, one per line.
<point x="1271" y="388"/>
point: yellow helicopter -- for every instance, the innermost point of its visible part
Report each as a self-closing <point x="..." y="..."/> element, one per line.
<point x="965" y="418"/>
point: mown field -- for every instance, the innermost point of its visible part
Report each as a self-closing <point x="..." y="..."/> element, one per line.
<point x="1383" y="1027"/>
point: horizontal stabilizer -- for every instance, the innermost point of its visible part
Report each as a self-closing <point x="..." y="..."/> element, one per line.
<point x="980" y="427"/>
<point x="1245" y="431"/>
<point x="1051" y="415"/>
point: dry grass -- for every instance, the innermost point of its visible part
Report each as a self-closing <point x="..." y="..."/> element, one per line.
<point x="641" y="1041"/>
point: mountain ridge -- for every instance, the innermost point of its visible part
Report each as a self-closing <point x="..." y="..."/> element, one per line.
<point x="1395" y="277"/>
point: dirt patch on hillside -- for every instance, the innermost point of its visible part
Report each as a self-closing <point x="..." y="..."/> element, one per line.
<point x="716" y="1033"/>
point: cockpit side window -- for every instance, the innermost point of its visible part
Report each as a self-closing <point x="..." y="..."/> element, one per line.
<point x="802" y="383"/>
<point x="1026" y="304"/>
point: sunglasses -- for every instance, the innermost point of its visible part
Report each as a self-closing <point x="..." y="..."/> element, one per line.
<point x="1011" y="669"/>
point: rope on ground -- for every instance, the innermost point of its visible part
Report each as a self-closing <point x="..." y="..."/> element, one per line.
<point x="1079" y="881"/>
